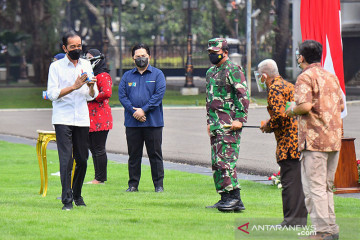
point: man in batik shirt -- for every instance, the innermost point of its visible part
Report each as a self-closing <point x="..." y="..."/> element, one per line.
<point x="285" y="130"/>
<point x="227" y="105"/>
<point x="319" y="104"/>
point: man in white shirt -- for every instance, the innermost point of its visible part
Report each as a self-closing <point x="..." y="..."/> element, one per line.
<point x="70" y="86"/>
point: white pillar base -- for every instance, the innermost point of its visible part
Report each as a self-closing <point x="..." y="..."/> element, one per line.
<point x="189" y="91"/>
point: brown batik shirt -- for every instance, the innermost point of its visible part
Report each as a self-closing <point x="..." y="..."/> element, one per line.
<point x="285" y="128"/>
<point x="320" y="129"/>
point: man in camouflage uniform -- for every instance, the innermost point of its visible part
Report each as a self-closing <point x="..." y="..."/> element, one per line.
<point x="227" y="105"/>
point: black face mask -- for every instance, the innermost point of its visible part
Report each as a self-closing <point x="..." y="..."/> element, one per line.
<point x="215" y="58"/>
<point x="141" y="62"/>
<point x="74" y="54"/>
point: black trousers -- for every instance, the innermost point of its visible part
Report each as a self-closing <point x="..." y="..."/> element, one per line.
<point x="293" y="198"/>
<point x="152" y="137"/>
<point x="72" y="143"/>
<point x="97" y="142"/>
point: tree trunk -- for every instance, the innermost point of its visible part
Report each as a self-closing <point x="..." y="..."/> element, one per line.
<point x="112" y="41"/>
<point x="222" y="13"/>
<point x="33" y="21"/>
<point x="282" y="35"/>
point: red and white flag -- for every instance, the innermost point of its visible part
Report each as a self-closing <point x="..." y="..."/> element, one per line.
<point x="321" y="21"/>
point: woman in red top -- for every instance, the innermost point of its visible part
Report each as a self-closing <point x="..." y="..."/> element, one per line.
<point x="100" y="116"/>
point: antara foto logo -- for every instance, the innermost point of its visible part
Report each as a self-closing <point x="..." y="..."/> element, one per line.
<point x="243" y="226"/>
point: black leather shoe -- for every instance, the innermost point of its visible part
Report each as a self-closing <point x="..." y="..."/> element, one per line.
<point x="67" y="207"/>
<point x="216" y="204"/>
<point x="240" y="207"/>
<point x="236" y="195"/>
<point x="229" y="205"/>
<point x="224" y="198"/>
<point x="159" y="189"/>
<point x="79" y="202"/>
<point x="132" y="189"/>
<point x="232" y="202"/>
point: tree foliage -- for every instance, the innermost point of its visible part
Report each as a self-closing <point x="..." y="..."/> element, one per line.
<point x="35" y="18"/>
<point x="160" y="21"/>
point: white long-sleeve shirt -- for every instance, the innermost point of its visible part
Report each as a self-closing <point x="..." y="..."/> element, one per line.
<point x="71" y="109"/>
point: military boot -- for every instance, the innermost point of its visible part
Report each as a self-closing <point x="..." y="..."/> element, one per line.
<point x="233" y="203"/>
<point x="236" y="193"/>
<point x="224" y="196"/>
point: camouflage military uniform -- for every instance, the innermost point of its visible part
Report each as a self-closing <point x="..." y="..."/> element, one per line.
<point x="227" y="100"/>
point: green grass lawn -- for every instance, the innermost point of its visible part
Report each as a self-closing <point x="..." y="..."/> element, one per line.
<point x="31" y="97"/>
<point x="111" y="213"/>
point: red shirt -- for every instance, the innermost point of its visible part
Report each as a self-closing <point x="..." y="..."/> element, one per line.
<point x="99" y="109"/>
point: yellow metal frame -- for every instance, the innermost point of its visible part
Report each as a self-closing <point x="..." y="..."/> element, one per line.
<point x="43" y="140"/>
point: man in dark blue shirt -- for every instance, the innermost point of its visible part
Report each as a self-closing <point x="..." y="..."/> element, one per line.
<point x="141" y="91"/>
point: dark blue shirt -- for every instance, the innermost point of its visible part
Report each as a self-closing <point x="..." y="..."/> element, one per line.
<point x="144" y="91"/>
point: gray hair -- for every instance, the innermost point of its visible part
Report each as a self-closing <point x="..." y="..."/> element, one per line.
<point x="269" y="67"/>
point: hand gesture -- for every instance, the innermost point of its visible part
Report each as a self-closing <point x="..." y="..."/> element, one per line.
<point x="264" y="126"/>
<point x="236" y="125"/>
<point x="139" y="114"/>
<point x="92" y="82"/>
<point x="142" y="119"/>
<point x="80" y="81"/>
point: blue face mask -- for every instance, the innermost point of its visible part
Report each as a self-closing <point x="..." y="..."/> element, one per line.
<point x="215" y="58"/>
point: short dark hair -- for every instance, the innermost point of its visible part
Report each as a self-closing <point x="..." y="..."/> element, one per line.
<point x="311" y="50"/>
<point x="139" y="46"/>
<point x="68" y="35"/>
